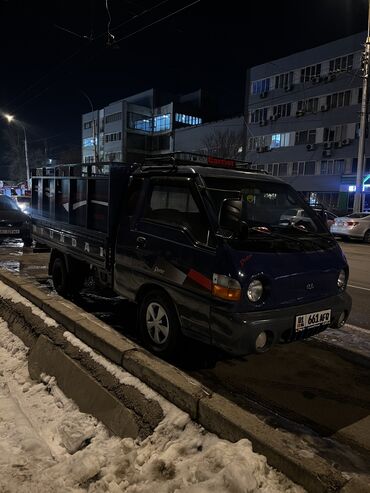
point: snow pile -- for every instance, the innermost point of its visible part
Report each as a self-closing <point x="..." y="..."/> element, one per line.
<point x="47" y="445"/>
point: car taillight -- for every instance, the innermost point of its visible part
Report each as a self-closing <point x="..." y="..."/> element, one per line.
<point x="350" y="224"/>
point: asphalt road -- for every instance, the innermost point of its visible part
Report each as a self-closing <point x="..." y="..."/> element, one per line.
<point x="358" y="257"/>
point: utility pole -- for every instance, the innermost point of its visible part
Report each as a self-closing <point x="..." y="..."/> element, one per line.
<point x="96" y="154"/>
<point x="358" y="201"/>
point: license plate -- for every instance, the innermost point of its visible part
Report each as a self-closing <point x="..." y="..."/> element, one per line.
<point x="310" y="320"/>
<point x="9" y="231"/>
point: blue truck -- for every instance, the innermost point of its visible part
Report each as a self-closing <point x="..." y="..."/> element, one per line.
<point x="202" y="245"/>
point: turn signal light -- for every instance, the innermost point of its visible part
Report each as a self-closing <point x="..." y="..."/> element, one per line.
<point x="226" y="288"/>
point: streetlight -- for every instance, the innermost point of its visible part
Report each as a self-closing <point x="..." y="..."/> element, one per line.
<point x="10" y="119"/>
<point x="358" y="201"/>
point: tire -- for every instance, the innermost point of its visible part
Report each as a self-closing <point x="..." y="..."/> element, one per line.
<point x="161" y="336"/>
<point x="27" y="242"/>
<point x="60" y="277"/>
<point x="367" y="236"/>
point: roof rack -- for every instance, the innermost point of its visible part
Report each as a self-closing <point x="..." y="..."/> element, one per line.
<point x="173" y="159"/>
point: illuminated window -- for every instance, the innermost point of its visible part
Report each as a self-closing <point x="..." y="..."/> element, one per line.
<point x="162" y="123"/>
<point x="260" y="86"/>
<point x="88" y="142"/>
<point x="187" y="119"/>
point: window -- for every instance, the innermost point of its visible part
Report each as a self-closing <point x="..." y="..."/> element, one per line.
<point x="280" y="140"/>
<point x="282" y="110"/>
<point x="283" y="80"/>
<point x="187" y="119"/>
<point x="173" y="204"/>
<point x="114" y="117"/>
<point x="308" y="105"/>
<point x="336" y="133"/>
<point x="254" y="142"/>
<point x="305" y="137"/>
<point x="310" y="72"/>
<point x="259" y="86"/>
<point x="332" y="167"/>
<point x="258" y="115"/>
<point x="162" y="123"/>
<point x="309" y="168"/>
<point x="89" y="142"/>
<point x="87" y="125"/>
<point x="113" y="137"/>
<point x="298" y="168"/>
<point x="338" y="100"/>
<point x="283" y="169"/>
<point x="341" y="63"/>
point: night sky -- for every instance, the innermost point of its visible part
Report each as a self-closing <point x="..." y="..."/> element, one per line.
<point x="52" y="51"/>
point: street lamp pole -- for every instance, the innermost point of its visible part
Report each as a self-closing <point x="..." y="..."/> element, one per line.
<point x="10" y="118"/>
<point x="358" y="201"/>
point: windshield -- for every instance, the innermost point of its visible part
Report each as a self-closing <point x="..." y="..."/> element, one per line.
<point x="275" y="218"/>
<point x="275" y="206"/>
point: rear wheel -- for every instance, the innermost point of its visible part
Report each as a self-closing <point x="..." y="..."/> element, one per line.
<point x="60" y="277"/>
<point x="159" y="325"/>
<point x="367" y="236"/>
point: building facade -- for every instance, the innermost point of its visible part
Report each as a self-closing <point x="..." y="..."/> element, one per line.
<point x="302" y="116"/>
<point x="139" y="125"/>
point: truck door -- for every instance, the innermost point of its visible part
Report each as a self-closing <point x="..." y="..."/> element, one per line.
<point x="173" y="250"/>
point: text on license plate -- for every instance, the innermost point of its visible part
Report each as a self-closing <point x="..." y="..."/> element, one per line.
<point x="9" y="231"/>
<point x="314" y="319"/>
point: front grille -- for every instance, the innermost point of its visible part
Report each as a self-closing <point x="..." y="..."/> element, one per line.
<point x="10" y="224"/>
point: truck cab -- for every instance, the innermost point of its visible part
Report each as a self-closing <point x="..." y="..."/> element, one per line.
<point x="206" y="251"/>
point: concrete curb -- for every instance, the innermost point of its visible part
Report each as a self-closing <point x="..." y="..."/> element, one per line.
<point x="212" y="411"/>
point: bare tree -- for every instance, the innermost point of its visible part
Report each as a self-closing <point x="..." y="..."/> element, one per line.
<point x="71" y="155"/>
<point x="224" y="143"/>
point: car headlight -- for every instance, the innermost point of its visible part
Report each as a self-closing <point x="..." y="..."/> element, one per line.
<point x="341" y="281"/>
<point x="255" y="290"/>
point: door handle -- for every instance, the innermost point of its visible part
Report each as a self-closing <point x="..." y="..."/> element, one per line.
<point x="140" y="242"/>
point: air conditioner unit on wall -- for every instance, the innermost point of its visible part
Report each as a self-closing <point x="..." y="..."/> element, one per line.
<point x="289" y="88"/>
<point x="263" y="94"/>
<point x="338" y="144"/>
<point x="324" y="107"/>
<point x="328" y="145"/>
<point x="263" y="123"/>
<point x="310" y="147"/>
<point x="346" y="142"/>
<point x="326" y="152"/>
<point x="299" y="113"/>
<point x="274" y="117"/>
<point x="315" y="79"/>
<point x="259" y="149"/>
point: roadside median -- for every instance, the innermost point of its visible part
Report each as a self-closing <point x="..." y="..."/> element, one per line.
<point x="128" y="413"/>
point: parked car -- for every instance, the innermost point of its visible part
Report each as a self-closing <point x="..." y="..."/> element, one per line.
<point x="13" y="222"/>
<point x="353" y="226"/>
<point x="299" y="216"/>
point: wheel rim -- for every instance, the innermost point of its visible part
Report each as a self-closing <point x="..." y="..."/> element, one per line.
<point x="157" y="323"/>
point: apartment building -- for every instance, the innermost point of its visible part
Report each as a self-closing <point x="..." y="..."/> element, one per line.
<point x="302" y="115"/>
<point x="139" y="125"/>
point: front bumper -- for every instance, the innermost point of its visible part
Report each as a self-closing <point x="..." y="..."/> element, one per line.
<point x="236" y="333"/>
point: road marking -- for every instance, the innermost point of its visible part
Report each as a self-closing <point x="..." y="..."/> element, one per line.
<point x="359" y="329"/>
<point x="358" y="287"/>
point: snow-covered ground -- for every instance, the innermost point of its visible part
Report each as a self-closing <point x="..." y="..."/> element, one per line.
<point x="47" y="445"/>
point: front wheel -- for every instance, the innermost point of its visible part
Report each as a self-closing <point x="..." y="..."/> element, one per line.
<point x="367" y="236"/>
<point x="159" y="325"/>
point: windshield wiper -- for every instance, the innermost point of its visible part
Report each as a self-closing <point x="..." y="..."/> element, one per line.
<point x="274" y="234"/>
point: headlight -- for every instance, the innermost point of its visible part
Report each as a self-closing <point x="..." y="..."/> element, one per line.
<point x="255" y="290"/>
<point x="341" y="282"/>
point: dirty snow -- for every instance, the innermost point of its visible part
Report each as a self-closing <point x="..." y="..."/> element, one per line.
<point x="47" y="445"/>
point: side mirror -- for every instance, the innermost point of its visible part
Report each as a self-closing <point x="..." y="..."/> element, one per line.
<point x="229" y="217"/>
